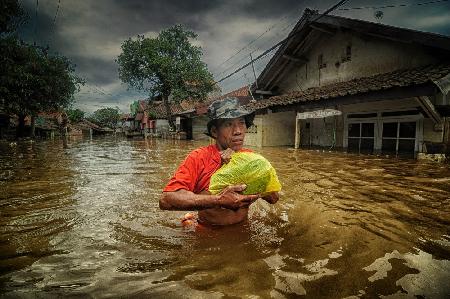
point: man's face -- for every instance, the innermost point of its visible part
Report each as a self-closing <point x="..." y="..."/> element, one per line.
<point x="230" y="133"/>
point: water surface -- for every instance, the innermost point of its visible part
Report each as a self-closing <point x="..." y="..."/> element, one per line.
<point x="84" y="221"/>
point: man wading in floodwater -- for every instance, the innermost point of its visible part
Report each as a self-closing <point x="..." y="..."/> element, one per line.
<point x="188" y="188"/>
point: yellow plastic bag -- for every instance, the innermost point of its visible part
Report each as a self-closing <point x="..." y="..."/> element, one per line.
<point x="246" y="168"/>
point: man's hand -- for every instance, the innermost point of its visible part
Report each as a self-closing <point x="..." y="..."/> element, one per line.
<point x="272" y="197"/>
<point x="225" y="155"/>
<point x="231" y="198"/>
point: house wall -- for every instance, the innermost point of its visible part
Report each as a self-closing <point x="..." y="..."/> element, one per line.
<point x="273" y="129"/>
<point x="254" y="133"/>
<point x="199" y="128"/>
<point x="162" y="126"/>
<point x="332" y="131"/>
<point x="369" y="56"/>
<point x="430" y="134"/>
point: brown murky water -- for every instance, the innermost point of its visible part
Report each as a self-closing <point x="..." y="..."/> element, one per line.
<point x="84" y="222"/>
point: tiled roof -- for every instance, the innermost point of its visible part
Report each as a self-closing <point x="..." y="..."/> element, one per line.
<point x="85" y="125"/>
<point x="157" y="109"/>
<point x="399" y="78"/>
<point x="126" y="116"/>
<point x="45" y="120"/>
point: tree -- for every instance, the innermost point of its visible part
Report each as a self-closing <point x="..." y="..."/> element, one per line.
<point x="168" y="66"/>
<point x="32" y="81"/>
<point x="11" y="15"/>
<point x="106" y="117"/>
<point x="75" y="115"/>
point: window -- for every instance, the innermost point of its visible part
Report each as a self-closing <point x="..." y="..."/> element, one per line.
<point x="399" y="138"/>
<point x="361" y="137"/>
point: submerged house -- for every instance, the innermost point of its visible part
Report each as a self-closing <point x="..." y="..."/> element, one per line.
<point x="190" y="116"/>
<point x="85" y="128"/>
<point x="182" y="114"/>
<point x="360" y="86"/>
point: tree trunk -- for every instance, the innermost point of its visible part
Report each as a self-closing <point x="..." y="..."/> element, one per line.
<point x="33" y="126"/>
<point x="21" y="127"/>
<point x="63" y="128"/>
<point x="168" y="112"/>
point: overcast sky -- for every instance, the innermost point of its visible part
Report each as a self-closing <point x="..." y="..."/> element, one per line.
<point x="90" y="33"/>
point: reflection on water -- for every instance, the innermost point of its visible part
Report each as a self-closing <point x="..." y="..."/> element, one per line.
<point x="84" y="221"/>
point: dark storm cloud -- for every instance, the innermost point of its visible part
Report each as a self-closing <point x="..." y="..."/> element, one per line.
<point x="97" y="71"/>
<point x="161" y="14"/>
<point x="39" y="29"/>
<point x="270" y="8"/>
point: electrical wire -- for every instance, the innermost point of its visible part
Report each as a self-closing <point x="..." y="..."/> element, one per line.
<point x="36" y="21"/>
<point x="256" y="49"/>
<point x="259" y="36"/>
<point x="334" y="7"/>
<point x="54" y="23"/>
<point x="393" y="5"/>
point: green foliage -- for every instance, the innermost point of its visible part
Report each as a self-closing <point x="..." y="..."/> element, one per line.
<point x="11" y="16"/>
<point x="134" y="107"/>
<point x="75" y="115"/>
<point x="32" y="81"/>
<point x="106" y="117"/>
<point x="168" y="65"/>
<point x="152" y="115"/>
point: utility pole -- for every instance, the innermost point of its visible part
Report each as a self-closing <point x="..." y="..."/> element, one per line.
<point x="253" y="67"/>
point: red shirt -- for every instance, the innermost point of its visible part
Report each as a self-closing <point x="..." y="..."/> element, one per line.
<point x="196" y="170"/>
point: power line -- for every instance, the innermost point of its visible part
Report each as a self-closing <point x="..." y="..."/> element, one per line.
<point x="231" y="82"/>
<point x="54" y="23"/>
<point x="257" y="38"/>
<point x="36" y="20"/>
<point x="56" y="13"/>
<point x="342" y="2"/>
<point x="259" y="48"/>
<point x="283" y="20"/>
<point x="393" y="5"/>
<point x="259" y="67"/>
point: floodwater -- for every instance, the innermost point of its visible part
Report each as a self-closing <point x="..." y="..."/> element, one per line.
<point x="84" y="221"/>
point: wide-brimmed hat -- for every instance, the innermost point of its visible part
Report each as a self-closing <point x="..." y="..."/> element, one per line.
<point x="226" y="109"/>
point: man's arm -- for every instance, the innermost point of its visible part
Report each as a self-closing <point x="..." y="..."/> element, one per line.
<point x="184" y="200"/>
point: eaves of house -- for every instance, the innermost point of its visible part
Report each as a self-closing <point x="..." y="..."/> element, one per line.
<point x="419" y="81"/>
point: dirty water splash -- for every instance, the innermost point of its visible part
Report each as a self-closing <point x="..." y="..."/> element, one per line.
<point x="84" y="221"/>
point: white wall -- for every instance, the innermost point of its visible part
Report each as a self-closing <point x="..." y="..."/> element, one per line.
<point x="199" y="127"/>
<point x="162" y="125"/>
<point x="370" y="56"/>
<point x="273" y="129"/>
<point x="254" y="133"/>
